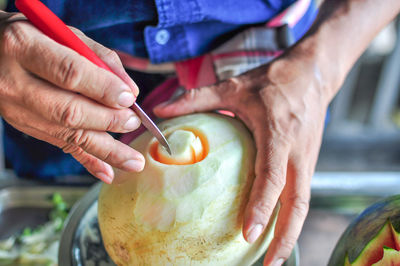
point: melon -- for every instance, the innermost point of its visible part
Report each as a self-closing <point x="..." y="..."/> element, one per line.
<point x="373" y="238"/>
<point x="185" y="208"/>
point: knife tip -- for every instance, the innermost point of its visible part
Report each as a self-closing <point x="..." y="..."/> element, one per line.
<point x="166" y="146"/>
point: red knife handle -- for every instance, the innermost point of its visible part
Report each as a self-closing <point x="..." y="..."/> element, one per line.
<point x="53" y="27"/>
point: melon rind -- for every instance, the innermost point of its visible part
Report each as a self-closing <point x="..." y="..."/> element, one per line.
<point x="185" y="214"/>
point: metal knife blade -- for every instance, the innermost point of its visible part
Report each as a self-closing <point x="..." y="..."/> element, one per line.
<point x="149" y="124"/>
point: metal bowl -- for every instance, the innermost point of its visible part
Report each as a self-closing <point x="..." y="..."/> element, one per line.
<point x="81" y="242"/>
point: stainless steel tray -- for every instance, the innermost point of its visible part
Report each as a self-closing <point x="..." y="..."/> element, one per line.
<point x="29" y="205"/>
<point x="81" y="242"/>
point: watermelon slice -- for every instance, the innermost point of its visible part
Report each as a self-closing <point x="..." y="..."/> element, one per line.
<point x="373" y="252"/>
<point x="391" y="257"/>
<point x="373" y="235"/>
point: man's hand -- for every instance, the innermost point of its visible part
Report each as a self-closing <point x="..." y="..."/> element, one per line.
<point x="284" y="106"/>
<point x="52" y="93"/>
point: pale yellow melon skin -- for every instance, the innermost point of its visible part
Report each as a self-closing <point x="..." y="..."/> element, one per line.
<point x="214" y="237"/>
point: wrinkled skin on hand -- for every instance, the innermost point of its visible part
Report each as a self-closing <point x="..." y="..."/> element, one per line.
<point x="283" y="105"/>
<point x="52" y="93"/>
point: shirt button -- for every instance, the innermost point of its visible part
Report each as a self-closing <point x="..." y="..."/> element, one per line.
<point x="162" y="37"/>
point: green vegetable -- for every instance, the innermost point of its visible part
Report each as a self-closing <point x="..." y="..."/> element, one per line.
<point x="27" y="232"/>
<point x="59" y="212"/>
<point x="38" y="246"/>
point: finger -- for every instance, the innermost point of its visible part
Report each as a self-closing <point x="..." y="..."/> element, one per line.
<point x="271" y="166"/>
<point x="69" y="70"/>
<point x="294" y="208"/>
<point x="72" y="110"/>
<point x="109" y="57"/>
<point x="99" y="144"/>
<point x="194" y="100"/>
<point x="102" y="146"/>
<point x="95" y="166"/>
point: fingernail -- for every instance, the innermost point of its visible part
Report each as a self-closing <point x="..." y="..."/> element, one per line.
<point x="278" y="262"/>
<point x="254" y="233"/>
<point x="105" y="178"/>
<point x="164" y="104"/>
<point x="133" y="165"/>
<point x="132" y="123"/>
<point x="109" y="170"/>
<point x="136" y="91"/>
<point x="132" y="84"/>
<point x="126" y="99"/>
<point x="161" y="105"/>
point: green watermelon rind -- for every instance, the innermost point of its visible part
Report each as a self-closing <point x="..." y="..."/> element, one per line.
<point x="364" y="228"/>
<point x="376" y="244"/>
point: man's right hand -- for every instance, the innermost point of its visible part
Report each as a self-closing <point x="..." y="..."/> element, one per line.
<point x="52" y="93"/>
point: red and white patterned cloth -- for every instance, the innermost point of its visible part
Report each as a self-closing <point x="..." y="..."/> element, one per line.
<point x="247" y="50"/>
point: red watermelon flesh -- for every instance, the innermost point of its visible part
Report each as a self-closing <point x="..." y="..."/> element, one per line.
<point x="391" y="257"/>
<point x="363" y="241"/>
<point x="373" y="252"/>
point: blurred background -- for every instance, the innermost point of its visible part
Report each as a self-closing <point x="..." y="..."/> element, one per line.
<point x="359" y="160"/>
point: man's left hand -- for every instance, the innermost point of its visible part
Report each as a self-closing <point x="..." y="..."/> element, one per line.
<point x="284" y="105"/>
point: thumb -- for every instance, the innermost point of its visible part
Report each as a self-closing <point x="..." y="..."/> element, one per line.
<point x="192" y="101"/>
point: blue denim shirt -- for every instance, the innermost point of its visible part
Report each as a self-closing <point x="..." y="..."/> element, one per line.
<point x="168" y="30"/>
<point x="162" y="30"/>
